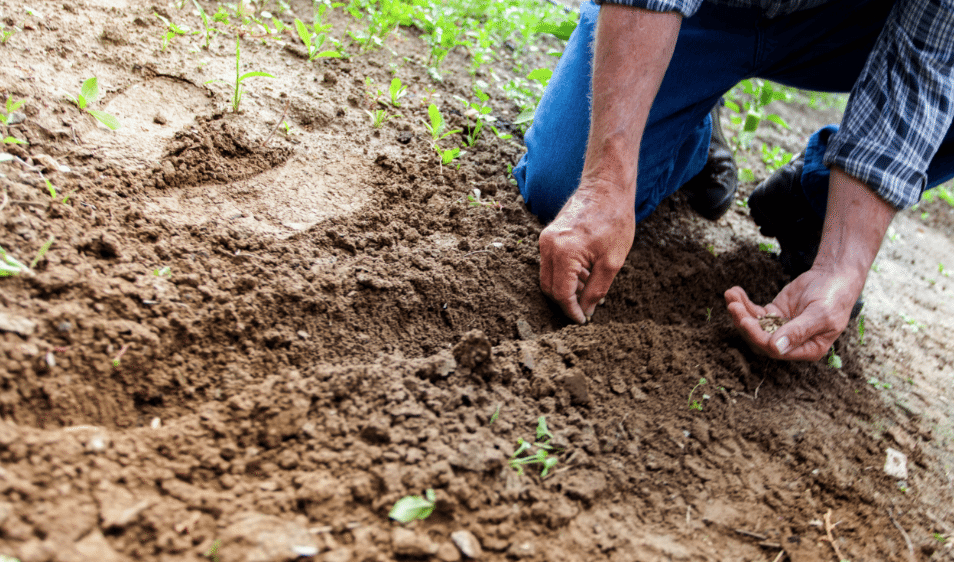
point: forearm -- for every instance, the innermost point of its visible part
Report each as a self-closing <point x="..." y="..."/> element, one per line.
<point x="855" y="225"/>
<point x="633" y="49"/>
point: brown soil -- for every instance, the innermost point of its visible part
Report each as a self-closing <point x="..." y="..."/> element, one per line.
<point x="338" y="327"/>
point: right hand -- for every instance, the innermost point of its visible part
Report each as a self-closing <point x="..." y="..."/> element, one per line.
<point x="584" y="248"/>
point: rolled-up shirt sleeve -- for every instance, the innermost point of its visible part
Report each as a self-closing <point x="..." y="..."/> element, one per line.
<point x="902" y="104"/>
<point x="684" y="7"/>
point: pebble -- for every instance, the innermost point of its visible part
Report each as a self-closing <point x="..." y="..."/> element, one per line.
<point x="408" y="543"/>
<point x="467" y="543"/>
<point x="447" y="552"/>
<point x="896" y="464"/>
<point x="16" y="324"/>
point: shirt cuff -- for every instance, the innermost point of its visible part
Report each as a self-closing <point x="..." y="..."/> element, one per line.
<point x="684" y="7"/>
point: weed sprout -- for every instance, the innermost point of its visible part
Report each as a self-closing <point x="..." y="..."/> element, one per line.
<point x="239" y="77"/>
<point x="409" y="508"/>
<point x="696" y="404"/>
<point x="89" y="91"/>
<point x="545" y="454"/>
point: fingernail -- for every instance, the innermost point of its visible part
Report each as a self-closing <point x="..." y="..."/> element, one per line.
<point x="782" y="345"/>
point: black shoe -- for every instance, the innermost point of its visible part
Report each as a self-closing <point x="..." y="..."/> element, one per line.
<point x="712" y="190"/>
<point x="780" y="209"/>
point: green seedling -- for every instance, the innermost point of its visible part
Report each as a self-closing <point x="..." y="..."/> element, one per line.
<point x="13" y="140"/>
<point x="213" y="552"/>
<point x="474" y="200"/>
<point x="834" y="360"/>
<point x="89" y="91"/>
<point x="937" y="536"/>
<point x="544" y="455"/>
<point x="397" y="91"/>
<point x="495" y="415"/>
<point x="775" y="158"/>
<point x="207" y="26"/>
<point x="172" y="31"/>
<point x="708" y="314"/>
<point x="768" y="248"/>
<point x="696" y="404"/>
<point x="878" y="384"/>
<point x="480" y="112"/>
<point x="239" y="77"/>
<point x="165" y="271"/>
<point x="289" y="130"/>
<point x="379" y="117"/>
<point x="409" y="508"/>
<point x="314" y="38"/>
<point x="915" y="325"/>
<point x="755" y="95"/>
<point x="11" y="106"/>
<point x="5" y="35"/>
<point x="861" y="329"/>
<point x="11" y="267"/>
<point x="711" y="249"/>
<point x="501" y="136"/>
<point x="437" y="125"/>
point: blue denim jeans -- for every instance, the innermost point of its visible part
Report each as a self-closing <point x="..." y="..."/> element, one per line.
<point x="822" y="49"/>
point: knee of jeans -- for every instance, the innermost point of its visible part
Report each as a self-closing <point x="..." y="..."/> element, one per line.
<point x="545" y="186"/>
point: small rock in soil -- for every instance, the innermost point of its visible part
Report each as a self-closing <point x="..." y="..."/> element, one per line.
<point x="255" y="537"/>
<point x="16" y="324"/>
<point x="467" y="543"/>
<point x="447" y="553"/>
<point x="524" y="547"/>
<point x="575" y="383"/>
<point x="524" y="330"/>
<point x="896" y="464"/>
<point x="405" y="542"/>
<point x="473" y="350"/>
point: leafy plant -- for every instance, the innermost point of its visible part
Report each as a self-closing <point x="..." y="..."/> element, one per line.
<point x="708" y="314"/>
<point x="437" y="125"/>
<point x="475" y="201"/>
<point x="768" y="248"/>
<point x="239" y="77"/>
<point x="397" y="91"/>
<point x="89" y="91"/>
<point x="544" y="455"/>
<point x="480" y="112"/>
<point x="379" y="117"/>
<point x="775" y="158"/>
<point x="213" y="552"/>
<point x="696" y="404"/>
<point x="314" y="38"/>
<point x="495" y="415"/>
<point x="834" y="360"/>
<point x="173" y="30"/>
<point x="165" y="271"/>
<point x="10" y="266"/>
<point x="861" y="329"/>
<point x="754" y="96"/>
<point x="409" y="508"/>
<point x="878" y="384"/>
<point x="5" y="35"/>
<point x="210" y="29"/>
<point x="11" y="106"/>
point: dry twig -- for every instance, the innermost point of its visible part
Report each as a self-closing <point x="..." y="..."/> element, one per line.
<point x="831" y="537"/>
<point x="277" y="125"/>
<point x="907" y="539"/>
<point x="778" y="558"/>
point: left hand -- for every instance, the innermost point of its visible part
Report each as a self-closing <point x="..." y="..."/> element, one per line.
<point x="818" y="304"/>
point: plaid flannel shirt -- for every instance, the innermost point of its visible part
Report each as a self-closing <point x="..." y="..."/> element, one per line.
<point x="902" y="104"/>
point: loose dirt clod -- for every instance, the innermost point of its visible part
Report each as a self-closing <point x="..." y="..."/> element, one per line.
<point x="771" y="322"/>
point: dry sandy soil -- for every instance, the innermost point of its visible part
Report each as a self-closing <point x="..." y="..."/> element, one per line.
<point x="339" y="326"/>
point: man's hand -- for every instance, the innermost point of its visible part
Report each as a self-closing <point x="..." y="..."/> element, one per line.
<point x="819" y="306"/>
<point x="819" y="301"/>
<point x="583" y="249"/>
<point x="585" y="246"/>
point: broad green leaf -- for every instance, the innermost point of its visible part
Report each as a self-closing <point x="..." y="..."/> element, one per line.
<point x="746" y="174"/>
<point x="303" y="33"/>
<point x="105" y="118"/>
<point x="542" y="75"/>
<point x="562" y="31"/>
<point x="89" y="92"/>
<point x="525" y="116"/>
<point x="253" y="74"/>
<point x="732" y="105"/>
<point x="329" y="54"/>
<point x="13" y="105"/>
<point x="777" y="120"/>
<point x="751" y="123"/>
<point x="409" y="508"/>
<point x="543" y="432"/>
<point x="13" y="140"/>
<point x="437" y="120"/>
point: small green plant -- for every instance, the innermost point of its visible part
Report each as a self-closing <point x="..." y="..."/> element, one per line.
<point x="696" y="404"/>
<point x="768" y="248"/>
<point x="915" y="325"/>
<point x="544" y="455"/>
<point x="165" y="271"/>
<point x="937" y="536"/>
<point x="775" y="158"/>
<point x="480" y="112"/>
<point x="10" y="266"/>
<point x="5" y="35"/>
<point x="437" y="125"/>
<point x="11" y="106"/>
<point x="711" y="249"/>
<point x="708" y="314"/>
<point x="239" y="77"/>
<point x="89" y="91"/>
<point x="315" y="36"/>
<point x="834" y="361"/>
<point x="861" y="329"/>
<point x="207" y="26"/>
<point x="878" y="384"/>
<point x="213" y="552"/>
<point x="474" y="200"/>
<point x="755" y="95"/>
<point x="495" y="415"/>
<point x="379" y="117"/>
<point x="397" y="91"/>
<point x="409" y="508"/>
<point x="172" y="30"/>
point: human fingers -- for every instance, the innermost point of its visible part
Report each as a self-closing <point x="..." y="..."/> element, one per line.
<point x="568" y="283"/>
<point x="807" y="337"/>
<point x="749" y="308"/>
<point x="597" y="286"/>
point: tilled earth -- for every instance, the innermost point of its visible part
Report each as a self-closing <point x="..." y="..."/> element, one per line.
<point x="340" y="327"/>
